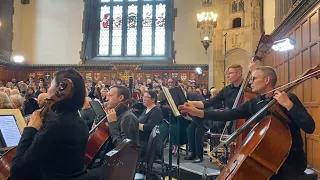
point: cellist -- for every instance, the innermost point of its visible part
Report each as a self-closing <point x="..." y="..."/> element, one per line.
<point x="55" y="151"/>
<point x="263" y="80"/>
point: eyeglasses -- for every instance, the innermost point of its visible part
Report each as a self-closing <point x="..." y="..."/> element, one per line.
<point x="228" y="73"/>
<point x="252" y="78"/>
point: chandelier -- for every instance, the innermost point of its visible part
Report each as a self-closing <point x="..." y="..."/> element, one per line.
<point x="206" y="22"/>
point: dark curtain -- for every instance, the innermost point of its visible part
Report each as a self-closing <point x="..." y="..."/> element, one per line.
<point x="90" y="12"/>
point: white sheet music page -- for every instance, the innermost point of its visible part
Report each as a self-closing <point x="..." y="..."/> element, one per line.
<point x="10" y="130"/>
<point x="171" y="101"/>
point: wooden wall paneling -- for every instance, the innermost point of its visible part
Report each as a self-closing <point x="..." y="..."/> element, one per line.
<point x="306" y="85"/>
<point x="298" y="72"/>
<point x="305" y="33"/>
<point x="298" y="39"/>
<point x="314" y="25"/>
<point x="305" y="55"/>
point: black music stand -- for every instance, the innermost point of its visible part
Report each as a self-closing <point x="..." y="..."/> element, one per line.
<point x="175" y="97"/>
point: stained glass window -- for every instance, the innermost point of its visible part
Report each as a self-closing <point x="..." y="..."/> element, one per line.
<point x="117" y="30"/>
<point x="133" y="28"/>
<point x="160" y="33"/>
<point x="104" y="30"/>
<point x="147" y="30"/>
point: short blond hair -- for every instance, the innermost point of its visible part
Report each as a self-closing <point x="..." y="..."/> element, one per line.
<point x="5" y="102"/>
<point x="236" y="66"/>
<point x="17" y="100"/>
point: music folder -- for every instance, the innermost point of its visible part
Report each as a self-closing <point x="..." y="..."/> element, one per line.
<point x="97" y="108"/>
<point x="172" y="103"/>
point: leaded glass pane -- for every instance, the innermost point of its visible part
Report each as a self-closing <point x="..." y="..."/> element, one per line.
<point x="132" y="0"/>
<point x="105" y="0"/>
<point x="132" y="30"/>
<point x="160" y="29"/>
<point x="147" y="30"/>
<point x="117" y="30"/>
<point x="104" y="30"/>
<point x="117" y="0"/>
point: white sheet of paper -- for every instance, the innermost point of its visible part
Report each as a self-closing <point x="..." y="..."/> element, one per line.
<point x="10" y="130"/>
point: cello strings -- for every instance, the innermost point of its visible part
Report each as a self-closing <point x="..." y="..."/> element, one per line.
<point x="303" y="78"/>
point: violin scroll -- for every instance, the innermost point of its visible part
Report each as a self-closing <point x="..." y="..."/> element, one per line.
<point x="64" y="91"/>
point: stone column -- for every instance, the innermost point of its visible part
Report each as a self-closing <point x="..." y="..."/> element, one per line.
<point x="210" y="63"/>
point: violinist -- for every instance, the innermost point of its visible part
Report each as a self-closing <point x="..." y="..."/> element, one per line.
<point x="122" y="123"/>
<point x="263" y="80"/>
<point x="55" y="151"/>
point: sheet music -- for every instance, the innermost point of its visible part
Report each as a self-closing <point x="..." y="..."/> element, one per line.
<point x="171" y="102"/>
<point x="10" y="130"/>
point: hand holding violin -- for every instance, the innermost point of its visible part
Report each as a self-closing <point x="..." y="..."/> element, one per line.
<point x="283" y="99"/>
<point x="35" y="120"/>
<point x="191" y="109"/>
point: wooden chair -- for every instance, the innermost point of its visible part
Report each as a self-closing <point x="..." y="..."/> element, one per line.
<point x="121" y="162"/>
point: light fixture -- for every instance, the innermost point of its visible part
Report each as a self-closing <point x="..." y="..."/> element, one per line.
<point x="199" y="70"/>
<point x="18" y="59"/>
<point x="206" y="22"/>
<point x="206" y="43"/>
<point x="284" y="45"/>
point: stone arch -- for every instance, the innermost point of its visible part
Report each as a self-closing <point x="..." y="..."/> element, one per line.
<point x="238" y="56"/>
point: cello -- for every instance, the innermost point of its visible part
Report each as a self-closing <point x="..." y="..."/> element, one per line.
<point x="64" y="91"/>
<point x="245" y="94"/>
<point x="270" y="137"/>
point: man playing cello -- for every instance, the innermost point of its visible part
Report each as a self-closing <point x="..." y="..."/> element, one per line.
<point x="263" y="80"/>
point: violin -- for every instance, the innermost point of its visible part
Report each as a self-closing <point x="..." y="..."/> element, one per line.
<point x="64" y="91"/>
<point x="270" y="137"/>
<point x="99" y="135"/>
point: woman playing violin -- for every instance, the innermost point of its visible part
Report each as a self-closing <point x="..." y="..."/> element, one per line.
<point x="263" y="81"/>
<point x="55" y="151"/>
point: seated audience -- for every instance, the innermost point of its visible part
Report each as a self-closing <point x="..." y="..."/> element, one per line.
<point x="87" y="112"/>
<point x="30" y="104"/>
<point x="5" y="102"/>
<point x="17" y="102"/>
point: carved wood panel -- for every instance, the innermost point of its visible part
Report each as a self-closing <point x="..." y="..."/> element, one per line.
<point x="293" y="64"/>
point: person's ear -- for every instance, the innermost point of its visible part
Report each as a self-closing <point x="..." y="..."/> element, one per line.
<point x="121" y="98"/>
<point x="267" y="80"/>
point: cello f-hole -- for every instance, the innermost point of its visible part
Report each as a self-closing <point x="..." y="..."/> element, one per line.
<point x="231" y="170"/>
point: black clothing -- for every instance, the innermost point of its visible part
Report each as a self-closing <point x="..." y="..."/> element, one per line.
<point x="55" y="151"/>
<point x="138" y="105"/>
<point x="150" y="120"/>
<point x="227" y="95"/>
<point x="89" y="116"/>
<point x="29" y="106"/>
<point x="298" y="115"/>
<point x="196" y="129"/>
<point x="126" y="126"/>
<point x="195" y="133"/>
